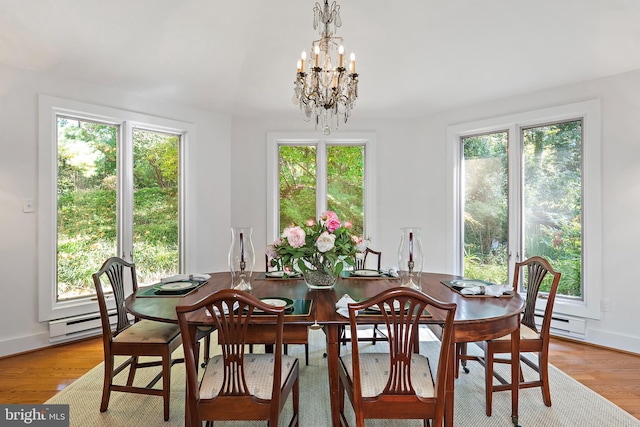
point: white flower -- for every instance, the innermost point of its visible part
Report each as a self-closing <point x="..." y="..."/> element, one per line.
<point x="325" y="242"/>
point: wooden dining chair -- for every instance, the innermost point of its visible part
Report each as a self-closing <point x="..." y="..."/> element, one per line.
<point x="531" y="273"/>
<point x="399" y="384"/>
<point x="236" y="385"/>
<point x="376" y="333"/>
<point x="361" y="261"/>
<point x="301" y="339"/>
<point x="137" y="339"/>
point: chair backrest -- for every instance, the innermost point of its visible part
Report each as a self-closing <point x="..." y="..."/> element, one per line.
<point x="230" y="312"/>
<point x="536" y="270"/>
<point x="117" y="270"/>
<point x="362" y="260"/>
<point x="402" y="327"/>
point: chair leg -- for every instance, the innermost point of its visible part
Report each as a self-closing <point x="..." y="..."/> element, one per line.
<point x="296" y="401"/>
<point x="166" y="381"/>
<point x="108" y="379"/>
<point x="306" y="354"/>
<point x="207" y="351"/>
<point x="488" y="374"/>
<point x="543" y="366"/>
<point x="132" y="370"/>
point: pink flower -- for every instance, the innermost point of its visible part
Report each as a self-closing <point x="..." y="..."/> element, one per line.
<point x="271" y="251"/>
<point x="328" y="215"/>
<point x="310" y="222"/>
<point x="348" y="225"/>
<point x="295" y="236"/>
<point x="332" y="224"/>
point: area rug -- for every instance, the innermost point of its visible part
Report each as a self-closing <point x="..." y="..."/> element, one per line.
<point x="572" y="403"/>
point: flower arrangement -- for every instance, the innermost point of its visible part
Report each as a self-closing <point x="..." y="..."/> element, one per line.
<point x="325" y="245"/>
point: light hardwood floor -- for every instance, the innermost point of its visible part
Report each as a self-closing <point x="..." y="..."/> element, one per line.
<point x="36" y="376"/>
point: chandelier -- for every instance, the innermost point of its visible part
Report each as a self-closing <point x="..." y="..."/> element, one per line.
<point x="327" y="93"/>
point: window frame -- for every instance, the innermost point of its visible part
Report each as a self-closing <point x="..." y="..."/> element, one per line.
<point x="275" y="140"/>
<point x="589" y="112"/>
<point x="49" y="109"/>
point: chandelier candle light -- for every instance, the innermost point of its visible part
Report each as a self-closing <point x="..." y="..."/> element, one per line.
<point x="327" y="92"/>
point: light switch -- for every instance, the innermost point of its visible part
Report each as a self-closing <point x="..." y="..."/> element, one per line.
<point x="28" y="205"/>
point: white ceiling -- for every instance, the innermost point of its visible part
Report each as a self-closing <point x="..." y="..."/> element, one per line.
<point x="415" y="57"/>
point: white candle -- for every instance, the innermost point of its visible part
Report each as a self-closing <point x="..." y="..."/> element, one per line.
<point x="341" y="52"/>
<point x="316" y="50"/>
<point x="303" y="57"/>
<point x="353" y="63"/>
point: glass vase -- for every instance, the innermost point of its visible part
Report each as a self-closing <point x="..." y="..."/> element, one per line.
<point x="242" y="258"/>
<point x="319" y="279"/>
<point x="410" y="257"/>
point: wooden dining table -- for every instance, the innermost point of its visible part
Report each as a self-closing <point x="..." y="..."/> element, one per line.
<point x="477" y="318"/>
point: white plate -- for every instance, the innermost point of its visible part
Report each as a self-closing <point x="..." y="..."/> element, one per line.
<point x="396" y="306"/>
<point x="280" y="274"/>
<point x="177" y="286"/>
<point x="275" y="302"/>
<point x="366" y="273"/>
<point x="466" y="283"/>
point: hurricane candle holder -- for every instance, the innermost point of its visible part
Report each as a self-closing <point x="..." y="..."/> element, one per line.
<point x="241" y="258"/>
<point x="410" y="257"/>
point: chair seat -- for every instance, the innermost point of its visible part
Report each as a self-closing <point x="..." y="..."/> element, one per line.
<point x="374" y="368"/>
<point x="526" y="333"/>
<point x="259" y="375"/>
<point x="148" y="331"/>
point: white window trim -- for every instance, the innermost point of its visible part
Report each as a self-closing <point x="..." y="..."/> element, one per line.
<point x="589" y="111"/>
<point x="274" y="140"/>
<point x="49" y="108"/>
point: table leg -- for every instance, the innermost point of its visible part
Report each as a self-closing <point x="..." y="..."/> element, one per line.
<point x="331" y="332"/>
<point x="515" y="374"/>
<point x="449" y="387"/>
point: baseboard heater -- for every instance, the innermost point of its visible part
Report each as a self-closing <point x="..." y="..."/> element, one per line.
<point x="565" y="326"/>
<point x="82" y="326"/>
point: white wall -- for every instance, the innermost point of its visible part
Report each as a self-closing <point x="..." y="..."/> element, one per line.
<point x="208" y="160"/>
<point x="412" y="171"/>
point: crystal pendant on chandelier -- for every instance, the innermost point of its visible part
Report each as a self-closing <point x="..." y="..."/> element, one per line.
<point x="327" y="92"/>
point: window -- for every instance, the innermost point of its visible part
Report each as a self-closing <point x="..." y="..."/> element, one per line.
<point x="309" y="175"/>
<point x="530" y="185"/>
<point x="109" y="186"/>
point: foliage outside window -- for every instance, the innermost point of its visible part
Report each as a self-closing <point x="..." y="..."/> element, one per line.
<point x="486" y="207"/>
<point x="553" y="200"/>
<point x="299" y="183"/>
<point x="549" y="192"/>
<point x="87" y="217"/>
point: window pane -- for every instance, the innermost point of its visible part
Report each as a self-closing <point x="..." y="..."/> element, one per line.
<point x="553" y="200"/>
<point x="86" y="215"/>
<point x="485" y="207"/>
<point x="297" y="175"/>
<point x="345" y="184"/>
<point x="155" y="205"/>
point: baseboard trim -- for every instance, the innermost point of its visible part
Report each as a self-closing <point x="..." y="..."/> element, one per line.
<point x="17" y="345"/>
<point x="614" y="341"/>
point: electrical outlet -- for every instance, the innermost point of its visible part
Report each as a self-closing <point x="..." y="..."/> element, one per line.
<point x="28" y="205"/>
